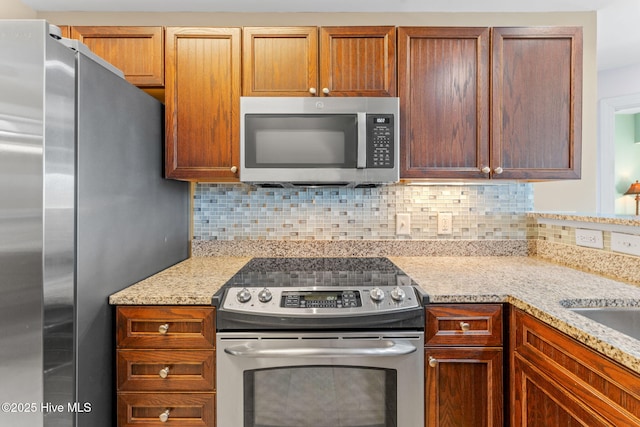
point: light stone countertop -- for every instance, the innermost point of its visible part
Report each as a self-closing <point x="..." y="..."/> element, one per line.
<point x="538" y="287"/>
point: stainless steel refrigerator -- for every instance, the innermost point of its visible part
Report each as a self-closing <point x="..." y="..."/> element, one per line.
<point x="84" y="212"/>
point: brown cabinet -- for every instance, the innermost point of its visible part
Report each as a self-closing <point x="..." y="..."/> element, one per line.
<point x="137" y="51"/>
<point x="345" y="61"/>
<point x="202" y="103"/>
<point x="464" y="365"/>
<point x="165" y="366"/>
<point x="558" y="381"/>
<point x="527" y="126"/>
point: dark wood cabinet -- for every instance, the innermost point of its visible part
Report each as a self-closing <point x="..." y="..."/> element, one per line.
<point x="165" y="364"/>
<point x="464" y="365"/>
<point x="536" y="124"/>
<point x="557" y="381"/>
<point x="137" y="51"/>
<point x="527" y="126"/>
<point x="330" y="61"/>
<point x="202" y="107"/>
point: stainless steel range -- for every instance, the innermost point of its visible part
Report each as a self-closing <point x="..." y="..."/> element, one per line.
<point x="315" y="342"/>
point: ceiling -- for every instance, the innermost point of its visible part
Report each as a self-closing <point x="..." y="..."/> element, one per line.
<point x="618" y="20"/>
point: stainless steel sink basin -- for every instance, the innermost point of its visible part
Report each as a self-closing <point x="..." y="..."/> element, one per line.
<point x="623" y="319"/>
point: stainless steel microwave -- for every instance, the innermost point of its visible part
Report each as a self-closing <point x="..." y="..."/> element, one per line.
<point x="342" y="141"/>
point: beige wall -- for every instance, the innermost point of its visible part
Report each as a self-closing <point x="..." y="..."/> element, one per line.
<point x="15" y="9"/>
<point x="577" y="196"/>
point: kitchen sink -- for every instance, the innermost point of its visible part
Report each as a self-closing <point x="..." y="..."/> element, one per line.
<point x="623" y="319"/>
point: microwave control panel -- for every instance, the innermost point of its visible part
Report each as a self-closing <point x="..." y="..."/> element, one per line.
<point x="380" y="144"/>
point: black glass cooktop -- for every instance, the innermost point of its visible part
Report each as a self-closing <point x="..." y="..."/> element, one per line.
<point x="305" y="272"/>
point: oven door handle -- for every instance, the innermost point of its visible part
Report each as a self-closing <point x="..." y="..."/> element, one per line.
<point x="397" y="349"/>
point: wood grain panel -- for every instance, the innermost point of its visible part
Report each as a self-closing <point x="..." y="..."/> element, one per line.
<point x="443" y="86"/>
<point x="537" y="96"/>
<point x="443" y="324"/>
<point x="185" y="409"/>
<point x="188" y="327"/>
<point x="188" y="370"/>
<point x="602" y="392"/>
<point x="280" y="61"/>
<point x="358" y="61"/>
<point x="464" y="388"/>
<point x="137" y="51"/>
<point x="202" y="103"/>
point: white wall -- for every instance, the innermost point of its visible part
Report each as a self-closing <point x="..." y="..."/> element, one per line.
<point x="15" y="9"/>
<point x="619" y="81"/>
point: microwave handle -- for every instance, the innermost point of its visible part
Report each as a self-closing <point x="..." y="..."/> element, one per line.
<point x="362" y="141"/>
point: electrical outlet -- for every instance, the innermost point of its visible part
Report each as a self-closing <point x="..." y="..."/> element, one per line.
<point x="403" y="224"/>
<point x="445" y="223"/>
<point x="625" y="243"/>
<point x="589" y="238"/>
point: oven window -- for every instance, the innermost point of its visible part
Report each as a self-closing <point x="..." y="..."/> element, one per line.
<point x="308" y="140"/>
<point x="320" y="396"/>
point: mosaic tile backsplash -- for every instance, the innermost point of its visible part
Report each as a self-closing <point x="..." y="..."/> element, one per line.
<point x="243" y="212"/>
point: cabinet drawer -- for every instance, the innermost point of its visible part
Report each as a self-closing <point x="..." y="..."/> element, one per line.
<point x="460" y="325"/>
<point x="165" y="327"/>
<point x="166" y="370"/>
<point x="184" y="409"/>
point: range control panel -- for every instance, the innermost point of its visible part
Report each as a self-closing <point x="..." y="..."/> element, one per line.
<point x="320" y="300"/>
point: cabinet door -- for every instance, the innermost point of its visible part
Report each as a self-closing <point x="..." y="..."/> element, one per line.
<point x="463" y="387"/>
<point x="536" y="102"/>
<point x="202" y="103"/>
<point x="137" y="51"/>
<point x="358" y="61"/>
<point x="280" y="61"/>
<point x="443" y="85"/>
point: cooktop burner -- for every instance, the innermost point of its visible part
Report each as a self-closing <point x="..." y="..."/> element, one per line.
<point x="305" y="272"/>
<point x="319" y="293"/>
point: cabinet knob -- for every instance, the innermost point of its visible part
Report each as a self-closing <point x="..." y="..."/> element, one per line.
<point x="312" y="90"/>
<point x="164" y="372"/>
<point x="326" y="90"/>
<point x="498" y="170"/>
<point x="433" y="362"/>
<point x="486" y="169"/>
<point x="465" y="326"/>
<point x="163" y="329"/>
<point x="164" y="417"/>
<point x="234" y="169"/>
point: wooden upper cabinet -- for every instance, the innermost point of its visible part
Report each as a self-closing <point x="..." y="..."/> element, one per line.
<point x="202" y="103"/>
<point x="137" y="51"/>
<point x="358" y="61"/>
<point x="537" y="102"/>
<point x="443" y="85"/>
<point x="294" y="61"/>
<point x="280" y="61"/>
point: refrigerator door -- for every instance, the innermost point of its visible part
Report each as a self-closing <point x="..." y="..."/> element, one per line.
<point x="36" y="224"/>
<point x="131" y="223"/>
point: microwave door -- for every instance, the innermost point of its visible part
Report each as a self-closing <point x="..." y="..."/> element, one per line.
<point x="362" y="141"/>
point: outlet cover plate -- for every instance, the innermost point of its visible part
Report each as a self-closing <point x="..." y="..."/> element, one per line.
<point x="445" y="223"/>
<point x="589" y="238"/>
<point x="625" y="243"/>
<point x="403" y="224"/>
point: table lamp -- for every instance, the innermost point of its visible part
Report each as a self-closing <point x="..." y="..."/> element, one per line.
<point x="635" y="189"/>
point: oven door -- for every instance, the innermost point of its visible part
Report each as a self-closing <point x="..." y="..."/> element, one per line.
<point x="320" y="379"/>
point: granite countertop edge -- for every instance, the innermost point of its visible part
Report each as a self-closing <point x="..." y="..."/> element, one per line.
<point x="539" y="287"/>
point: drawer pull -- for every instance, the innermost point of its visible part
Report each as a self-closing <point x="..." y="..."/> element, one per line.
<point x="164" y="417"/>
<point x="433" y="362"/>
<point x="163" y="329"/>
<point x="465" y="326"/>
<point x="164" y="372"/>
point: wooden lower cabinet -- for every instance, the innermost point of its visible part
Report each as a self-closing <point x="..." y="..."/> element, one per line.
<point x="464" y="383"/>
<point x="557" y="381"/>
<point x="165" y="365"/>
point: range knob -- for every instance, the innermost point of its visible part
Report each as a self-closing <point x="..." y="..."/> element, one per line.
<point x="264" y="295"/>
<point x="377" y="294"/>
<point x="243" y="295"/>
<point x="397" y="294"/>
